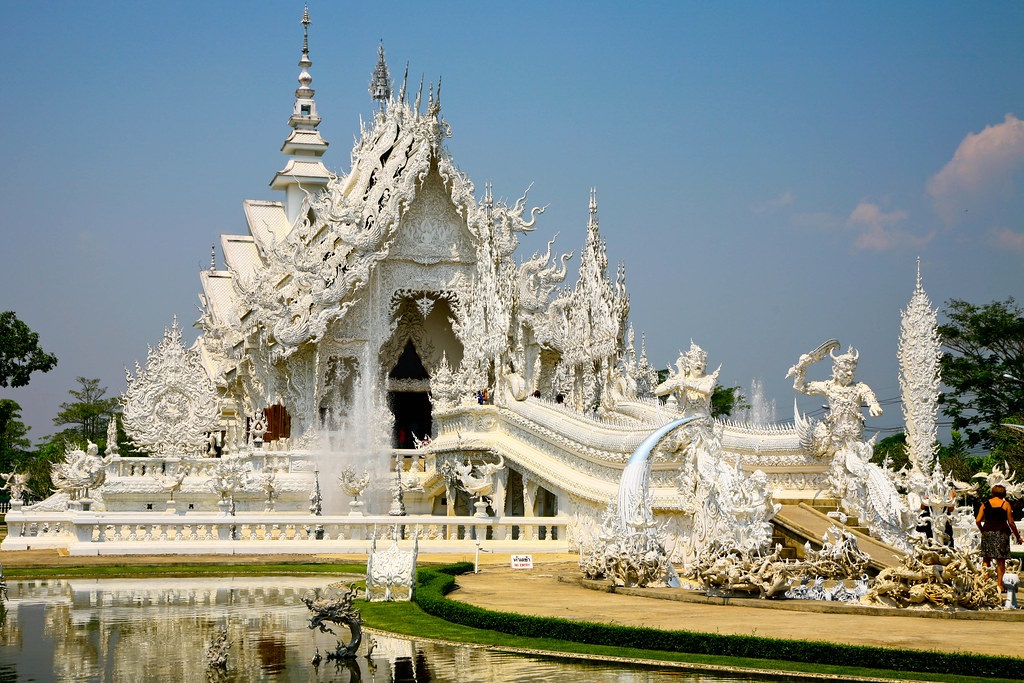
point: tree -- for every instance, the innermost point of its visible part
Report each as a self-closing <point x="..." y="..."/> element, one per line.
<point x="88" y="414"/>
<point x="20" y="354"/>
<point x="983" y="367"/>
<point x="13" y="444"/>
<point x="894" y="449"/>
<point x="724" y="400"/>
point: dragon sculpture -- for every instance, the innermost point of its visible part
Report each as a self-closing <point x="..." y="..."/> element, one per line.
<point x="333" y="605"/>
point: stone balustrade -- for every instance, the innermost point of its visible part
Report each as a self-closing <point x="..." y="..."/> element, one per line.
<point x="260" y="461"/>
<point x="132" y="533"/>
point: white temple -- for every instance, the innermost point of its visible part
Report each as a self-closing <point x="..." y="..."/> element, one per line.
<point x="380" y="322"/>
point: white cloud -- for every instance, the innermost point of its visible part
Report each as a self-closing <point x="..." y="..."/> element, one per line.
<point x="982" y="166"/>
<point x="783" y="200"/>
<point x="1004" y="238"/>
<point x="820" y="222"/>
<point x="880" y="230"/>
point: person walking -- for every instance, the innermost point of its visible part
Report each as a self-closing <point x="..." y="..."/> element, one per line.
<point x="995" y="521"/>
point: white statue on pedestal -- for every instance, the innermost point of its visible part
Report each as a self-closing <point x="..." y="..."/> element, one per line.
<point x="480" y="485"/>
<point x="865" y="489"/>
<point x="691" y="387"/>
<point x="79" y="473"/>
<point x="729" y="506"/>
<point x="354" y="484"/>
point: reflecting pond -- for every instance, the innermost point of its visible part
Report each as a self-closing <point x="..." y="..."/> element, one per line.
<point x="160" y="629"/>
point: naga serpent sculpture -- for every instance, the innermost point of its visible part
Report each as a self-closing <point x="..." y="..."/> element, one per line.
<point x="335" y="607"/>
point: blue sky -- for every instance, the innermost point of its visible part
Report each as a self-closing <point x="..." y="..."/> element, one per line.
<point x="768" y="172"/>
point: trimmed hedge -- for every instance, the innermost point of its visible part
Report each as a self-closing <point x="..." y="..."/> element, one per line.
<point x="434" y="584"/>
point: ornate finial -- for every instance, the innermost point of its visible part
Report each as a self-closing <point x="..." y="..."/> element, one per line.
<point x="919" y="272"/>
<point x="305" y="79"/>
<point x="305" y="30"/>
<point x="593" y="207"/>
<point x="419" y="95"/>
<point x="488" y="199"/>
<point x="213" y="257"/>
<point x="405" y="79"/>
<point x="380" y="84"/>
<point x="434" y="106"/>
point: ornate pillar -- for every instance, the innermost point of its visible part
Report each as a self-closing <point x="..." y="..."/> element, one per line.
<point x="500" y="488"/>
<point x="529" y="497"/>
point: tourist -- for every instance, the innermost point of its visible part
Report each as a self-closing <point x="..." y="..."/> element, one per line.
<point x="995" y="521"/>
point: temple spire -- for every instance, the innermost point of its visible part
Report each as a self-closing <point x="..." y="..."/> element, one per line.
<point x="593" y="208"/>
<point x="304" y="146"/>
<point x="380" y="84"/>
<point x="405" y="80"/>
<point x="304" y="113"/>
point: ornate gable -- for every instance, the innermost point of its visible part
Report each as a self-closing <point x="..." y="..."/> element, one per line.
<point x="432" y="231"/>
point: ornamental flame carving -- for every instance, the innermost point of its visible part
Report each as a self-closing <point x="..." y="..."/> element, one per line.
<point x="171" y="405"/>
<point x="919" y="353"/>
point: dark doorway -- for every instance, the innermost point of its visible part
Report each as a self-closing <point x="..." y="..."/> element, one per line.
<point x="412" y="417"/>
<point x="410" y="408"/>
<point x="409" y="365"/>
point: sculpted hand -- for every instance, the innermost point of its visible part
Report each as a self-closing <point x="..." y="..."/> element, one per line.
<point x="875" y="410"/>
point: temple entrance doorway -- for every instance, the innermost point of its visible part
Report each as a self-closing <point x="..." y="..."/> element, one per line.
<point x="412" y="417"/>
<point x="409" y="400"/>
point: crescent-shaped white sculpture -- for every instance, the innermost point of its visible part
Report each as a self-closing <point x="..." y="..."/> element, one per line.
<point x="636" y="476"/>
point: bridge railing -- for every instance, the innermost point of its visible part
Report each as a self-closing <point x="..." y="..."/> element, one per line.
<point x="102" y="533"/>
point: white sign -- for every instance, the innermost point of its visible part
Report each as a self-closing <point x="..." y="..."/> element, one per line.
<point x="522" y="562"/>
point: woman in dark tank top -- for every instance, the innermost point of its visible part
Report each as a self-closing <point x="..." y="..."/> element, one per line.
<point x="995" y="521"/>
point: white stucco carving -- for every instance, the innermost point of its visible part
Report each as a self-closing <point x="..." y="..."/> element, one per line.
<point x="919" y="353"/>
<point x="391" y="573"/>
<point x="865" y="489"/>
<point x="171" y="404"/>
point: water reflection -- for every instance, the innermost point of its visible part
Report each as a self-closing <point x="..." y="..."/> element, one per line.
<point x="160" y="629"/>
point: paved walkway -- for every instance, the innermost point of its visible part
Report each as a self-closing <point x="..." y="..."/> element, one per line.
<point x="552" y="588"/>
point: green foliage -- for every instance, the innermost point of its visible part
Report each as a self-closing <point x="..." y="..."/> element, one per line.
<point x="38" y="464"/>
<point x="956" y="459"/>
<point x="983" y="367"/>
<point x="434" y="585"/>
<point x="13" y="441"/>
<point x="20" y="354"/>
<point x="894" y="448"/>
<point x="87" y="415"/>
<point x="724" y="400"/>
